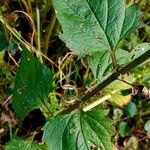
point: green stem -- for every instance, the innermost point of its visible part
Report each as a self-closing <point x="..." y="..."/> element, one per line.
<point x="38" y="31"/>
<point x="47" y="109"/>
<point x="114" y="60"/>
<point x="0" y="11"/>
<point x="30" y="8"/>
<point x="49" y="32"/>
<point x="4" y="27"/>
<point x="134" y="63"/>
<point x="16" y="34"/>
<point x="10" y="131"/>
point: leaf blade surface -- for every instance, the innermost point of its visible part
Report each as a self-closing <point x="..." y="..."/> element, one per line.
<point x="34" y="81"/>
<point x="79" y="131"/>
<point x="91" y="26"/>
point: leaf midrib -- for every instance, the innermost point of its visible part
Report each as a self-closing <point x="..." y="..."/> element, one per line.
<point x="96" y="132"/>
<point x="81" y="129"/>
<point x="99" y="22"/>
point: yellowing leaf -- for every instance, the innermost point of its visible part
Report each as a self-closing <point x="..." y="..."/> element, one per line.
<point x="120" y="92"/>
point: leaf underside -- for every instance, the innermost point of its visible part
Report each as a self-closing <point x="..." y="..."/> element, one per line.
<point x="94" y="25"/>
<point x="34" y="81"/>
<point x="79" y="131"/>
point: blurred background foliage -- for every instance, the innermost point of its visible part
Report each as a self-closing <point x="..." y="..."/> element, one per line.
<point x="130" y="114"/>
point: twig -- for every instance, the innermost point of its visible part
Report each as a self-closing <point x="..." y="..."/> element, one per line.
<point x="65" y="63"/>
<point x="125" y="82"/>
<point x="38" y="32"/>
<point x="96" y="103"/>
<point x="31" y="23"/>
<point x="7" y="100"/>
<point x="117" y="73"/>
<point x="23" y="41"/>
<point x="134" y="63"/>
<point x="13" y="59"/>
<point x="49" y="30"/>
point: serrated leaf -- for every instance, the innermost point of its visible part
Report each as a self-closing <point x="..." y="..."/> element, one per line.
<point x="79" y="131"/>
<point x="93" y="25"/>
<point x="19" y="144"/>
<point x="123" y="57"/>
<point x="54" y="105"/>
<point x="34" y="81"/>
<point x="130" y="109"/>
<point x="101" y="63"/>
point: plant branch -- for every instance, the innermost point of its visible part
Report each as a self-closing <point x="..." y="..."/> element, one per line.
<point x="126" y="82"/>
<point x="38" y="31"/>
<point x="134" y="63"/>
<point x="114" y="60"/>
<point x="49" y="30"/>
<point x="23" y="42"/>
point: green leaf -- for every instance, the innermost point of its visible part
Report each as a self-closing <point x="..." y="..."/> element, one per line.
<point x="120" y="92"/>
<point x="130" y="109"/>
<point x="3" y="43"/>
<point x="19" y="144"/>
<point x="101" y="63"/>
<point x="140" y="49"/>
<point x="93" y="25"/>
<point x="34" y="82"/>
<point x="147" y="126"/>
<point x="79" y="131"/>
<point x="124" y="129"/>
<point x="54" y="105"/>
